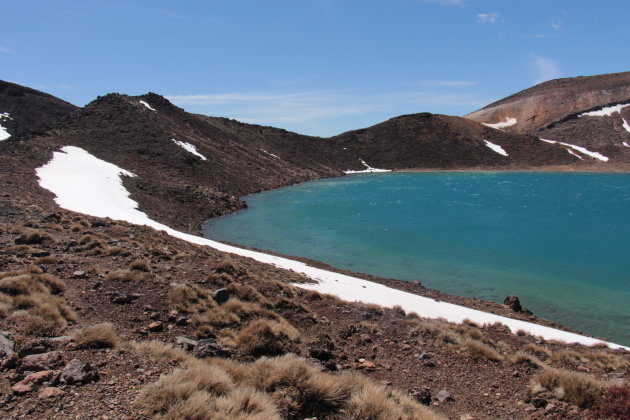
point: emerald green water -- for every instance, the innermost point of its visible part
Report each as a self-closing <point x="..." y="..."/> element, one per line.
<point x="559" y="241"/>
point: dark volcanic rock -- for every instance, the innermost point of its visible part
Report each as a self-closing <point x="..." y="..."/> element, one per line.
<point x="209" y="348"/>
<point x="77" y="372"/>
<point x="422" y="395"/>
<point x="514" y="303"/>
<point x="221" y="296"/>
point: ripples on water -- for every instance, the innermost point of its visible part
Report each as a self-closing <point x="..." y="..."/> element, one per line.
<point x="560" y="241"/>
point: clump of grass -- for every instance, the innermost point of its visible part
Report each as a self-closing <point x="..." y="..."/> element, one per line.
<point x="140" y="265"/>
<point x="522" y="358"/>
<point x="228" y="267"/>
<point x="97" y="336"/>
<point x="479" y="350"/>
<point x="129" y="276"/>
<point x="160" y="351"/>
<point x="47" y="260"/>
<point x="190" y="298"/>
<point x="273" y="388"/>
<point x="265" y="337"/>
<point x="536" y="349"/>
<point x="30" y="236"/>
<point x="606" y="361"/>
<point x="246" y="293"/>
<point x="566" y="358"/>
<point x="575" y="387"/>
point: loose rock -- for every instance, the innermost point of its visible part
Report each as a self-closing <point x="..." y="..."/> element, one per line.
<point x="77" y="372"/>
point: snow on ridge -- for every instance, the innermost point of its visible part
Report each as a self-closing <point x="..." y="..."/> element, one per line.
<point x="605" y="112"/>
<point x="83" y="183"/>
<point x="147" y="105"/>
<point x="189" y="148"/>
<point x="500" y="150"/>
<point x="580" y="149"/>
<point x="626" y="144"/>
<point x="4" y="134"/>
<point x="368" y="170"/>
<point x="509" y="122"/>
<point x="626" y="125"/>
<point x="269" y="153"/>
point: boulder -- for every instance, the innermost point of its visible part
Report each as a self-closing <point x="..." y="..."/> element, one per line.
<point x="513" y="302"/>
<point x="210" y="348"/>
<point x="7" y="345"/>
<point x="155" y="326"/>
<point x="422" y="395"/>
<point x="40" y="377"/>
<point x="186" y="343"/>
<point x="44" y="361"/>
<point x="50" y="392"/>
<point x="321" y="354"/>
<point x="444" y="395"/>
<point x="44" y="345"/>
<point x="77" y="372"/>
<point x="221" y="296"/>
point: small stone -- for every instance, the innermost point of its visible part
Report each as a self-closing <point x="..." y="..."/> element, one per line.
<point x="365" y="338"/>
<point x="50" y="392"/>
<point x="444" y="395"/>
<point x="40" y="377"/>
<point x="539" y="402"/>
<point x="78" y="274"/>
<point x="40" y="254"/>
<point x="466" y="417"/>
<point x="156" y="326"/>
<point x="321" y="354"/>
<point x="425" y="356"/>
<point x="368" y="365"/>
<point x="430" y="364"/>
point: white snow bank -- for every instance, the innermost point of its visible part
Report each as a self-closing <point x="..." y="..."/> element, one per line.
<point x="84" y="183"/>
<point x="189" y="148"/>
<point x="4" y="134"/>
<point x="580" y="149"/>
<point x="605" y="112"/>
<point x="509" y="122"/>
<point x="147" y="105"/>
<point x="269" y="153"/>
<point x="571" y="152"/>
<point x="626" y="125"/>
<point x="496" y="148"/>
<point x="626" y="144"/>
<point x="368" y="169"/>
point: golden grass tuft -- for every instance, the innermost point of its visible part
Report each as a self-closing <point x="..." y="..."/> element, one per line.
<point x="265" y="337"/>
<point x="190" y="298"/>
<point x="479" y="350"/>
<point x="97" y="336"/>
<point x="577" y="388"/>
<point x="536" y="349"/>
<point x="140" y="265"/>
<point x="522" y="358"/>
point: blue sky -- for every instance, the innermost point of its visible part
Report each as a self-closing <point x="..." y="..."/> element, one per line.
<point x="317" y="67"/>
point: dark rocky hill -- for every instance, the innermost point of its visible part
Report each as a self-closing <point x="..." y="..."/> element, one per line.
<point x="145" y="135"/>
<point x="29" y="111"/>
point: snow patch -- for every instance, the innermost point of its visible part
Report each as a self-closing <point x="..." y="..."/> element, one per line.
<point x="496" y="148"/>
<point x="368" y="169"/>
<point x="86" y="184"/>
<point x="626" y="125"/>
<point x="580" y="149"/>
<point x="4" y="134"/>
<point x="509" y="122"/>
<point x="269" y="153"/>
<point x="189" y="148"/>
<point x="626" y="144"/>
<point x="605" y="112"/>
<point x="147" y="105"/>
<point x="571" y="152"/>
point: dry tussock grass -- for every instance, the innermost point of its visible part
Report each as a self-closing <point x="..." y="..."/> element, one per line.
<point x="29" y="296"/>
<point x="140" y="265"/>
<point x="522" y="358"/>
<point x="129" y="276"/>
<point x="566" y="358"/>
<point x="161" y="352"/>
<point x="478" y="349"/>
<point x="265" y="337"/>
<point x="577" y="388"/>
<point x="30" y="236"/>
<point x="190" y="298"/>
<point x="536" y="349"/>
<point x="272" y="388"/>
<point x="97" y="336"/>
<point x="607" y="361"/>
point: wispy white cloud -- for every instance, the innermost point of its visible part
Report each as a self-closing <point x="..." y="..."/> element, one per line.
<point x="311" y="106"/>
<point x="546" y="68"/>
<point x="558" y="26"/>
<point x="6" y="50"/>
<point x="488" y="17"/>
<point x="446" y="83"/>
<point x="170" y="14"/>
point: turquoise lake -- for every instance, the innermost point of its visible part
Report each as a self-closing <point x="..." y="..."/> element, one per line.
<point x="560" y="241"/>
